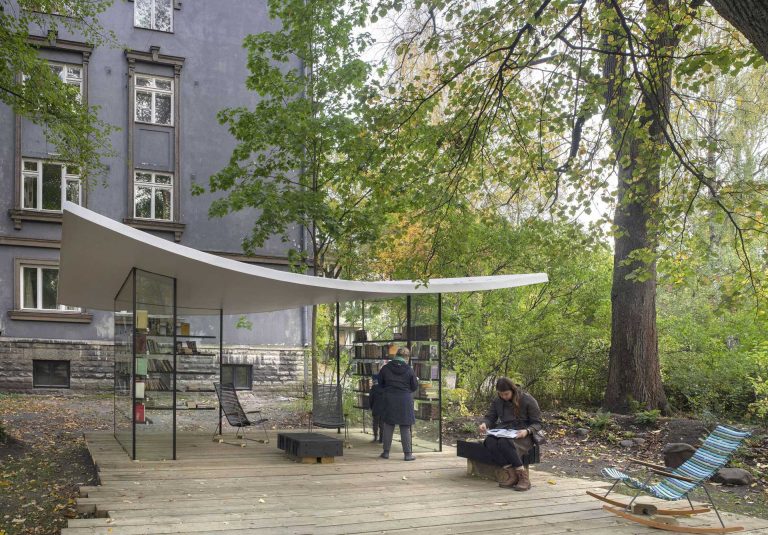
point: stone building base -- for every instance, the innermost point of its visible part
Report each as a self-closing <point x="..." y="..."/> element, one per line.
<point x="276" y="370"/>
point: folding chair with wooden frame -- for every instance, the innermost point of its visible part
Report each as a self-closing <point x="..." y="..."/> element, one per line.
<point x="236" y="416"/>
<point x="678" y="483"/>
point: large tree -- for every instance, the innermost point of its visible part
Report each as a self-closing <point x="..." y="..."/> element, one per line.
<point x="31" y="89"/>
<point x="555" y="99"/>
<point x="750" y="17"/>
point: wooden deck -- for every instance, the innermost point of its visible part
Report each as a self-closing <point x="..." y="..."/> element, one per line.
<point x="226" y="489"/>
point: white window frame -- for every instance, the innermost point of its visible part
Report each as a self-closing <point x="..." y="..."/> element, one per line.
<point x="153" y="185"/>
<point x="152" y="13"/>
<point x="39" y="304"/>
<point x="154" y="91"/>
<point x="68" y="77"/>
<point x="66" y="177"/>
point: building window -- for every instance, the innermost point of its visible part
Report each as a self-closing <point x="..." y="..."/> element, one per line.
<point x="50" y="373"/>
<point x="154" y="100"/>
<point x="153" y="14"/>
<point x="71" y="75"/>
<point x="241" y="375"/>
<point x="40" y="288"/>
<point x="45" y="184"/>
<point x="152" y="196"/>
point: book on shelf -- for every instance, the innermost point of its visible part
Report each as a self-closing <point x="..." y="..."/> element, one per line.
<point x="141" y="343"/>
<point x="142" y="319"/>
<point x="364" y="384"/>
<point x="141" y="365"/>
<point x="428" y="411"/>
<point x="160" y="365"/>
<point x="363" y="401"/>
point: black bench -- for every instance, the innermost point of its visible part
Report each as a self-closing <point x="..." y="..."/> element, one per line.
<point x="310" y="447"/>
<point x="480" y="463"/>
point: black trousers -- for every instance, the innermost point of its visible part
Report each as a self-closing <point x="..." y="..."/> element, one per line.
<point x="388" y="430"/>
<point x="503" y="451"/>
<point x="376" y="425"/>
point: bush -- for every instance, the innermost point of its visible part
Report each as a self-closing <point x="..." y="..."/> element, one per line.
<point x="601" y="421"/>
<point x="647" y="417"/>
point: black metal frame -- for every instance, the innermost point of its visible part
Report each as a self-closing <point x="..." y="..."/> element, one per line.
<point x="174" y="374"/>
<point x="409" y="342"/>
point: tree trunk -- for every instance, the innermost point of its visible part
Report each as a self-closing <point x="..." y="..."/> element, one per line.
<point x="750" y="17"/>
<point x="634" y="375"/>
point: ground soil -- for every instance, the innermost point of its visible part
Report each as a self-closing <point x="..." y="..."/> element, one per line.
<point x="43" y="459"/>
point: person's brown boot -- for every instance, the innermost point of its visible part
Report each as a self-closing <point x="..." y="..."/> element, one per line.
<point x="507" y="477"/>
<point x="523" y="482"/>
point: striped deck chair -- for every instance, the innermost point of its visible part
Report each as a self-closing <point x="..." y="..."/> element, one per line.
<point x="678" y="483"/>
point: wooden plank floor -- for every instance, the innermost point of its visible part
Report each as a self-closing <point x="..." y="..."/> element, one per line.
<point x="225" y="489"/>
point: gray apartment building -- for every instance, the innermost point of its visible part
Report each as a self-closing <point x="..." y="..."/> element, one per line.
<point x="179" y="64"/>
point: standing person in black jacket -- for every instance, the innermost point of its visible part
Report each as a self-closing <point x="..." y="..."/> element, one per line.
<point x="399" y="382"/>
<point x="511" y="409"/>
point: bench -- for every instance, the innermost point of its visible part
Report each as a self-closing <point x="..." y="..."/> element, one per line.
<point x="480" y="463"/>
<point x="310" y="447"/>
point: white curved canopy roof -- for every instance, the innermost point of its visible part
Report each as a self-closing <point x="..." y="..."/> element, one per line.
<point x="97" y="254"/>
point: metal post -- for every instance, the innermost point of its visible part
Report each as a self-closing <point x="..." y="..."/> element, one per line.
<point x="338" y="348"/>
<point x="440" y="372"/>
<point x="408" y="321"/>
<point x="133" y="373"/>
<point x="221" y="358"/>
<point x="174" y="368"/>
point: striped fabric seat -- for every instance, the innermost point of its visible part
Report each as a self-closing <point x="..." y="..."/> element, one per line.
<point x="712" y="455"/>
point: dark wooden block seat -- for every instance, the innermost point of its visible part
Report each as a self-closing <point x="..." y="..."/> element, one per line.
<point x="479" y="462"/>
<point x="310" y="447"/>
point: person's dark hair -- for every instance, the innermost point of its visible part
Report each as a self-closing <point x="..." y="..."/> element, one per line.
<point x="505" y="384"/>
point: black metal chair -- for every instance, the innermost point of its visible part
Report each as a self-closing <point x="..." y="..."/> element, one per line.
<point x="327" y="410"/>
<point x="236" y="416"/>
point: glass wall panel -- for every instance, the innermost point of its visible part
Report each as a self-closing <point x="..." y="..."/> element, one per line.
<point x="154" y="366"/>
<point x="123" y="402"/>
<point x="376" y="331"/>
<point x="425" y="338"/>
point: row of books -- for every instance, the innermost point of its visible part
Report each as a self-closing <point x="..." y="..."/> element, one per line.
<point x="428" y="411"/>
<point x="426" y="371"/>
<point x="367" y="368"/>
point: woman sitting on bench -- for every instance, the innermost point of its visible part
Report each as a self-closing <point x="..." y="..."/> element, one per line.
<point x="511" y="409"/>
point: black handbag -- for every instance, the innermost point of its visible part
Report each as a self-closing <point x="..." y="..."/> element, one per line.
<point x="539" y="438"/>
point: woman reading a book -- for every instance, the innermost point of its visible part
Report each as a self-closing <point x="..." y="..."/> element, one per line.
<point x="511" y="409"/>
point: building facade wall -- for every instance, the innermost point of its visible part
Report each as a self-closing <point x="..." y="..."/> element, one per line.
<point x="205" y="58"/>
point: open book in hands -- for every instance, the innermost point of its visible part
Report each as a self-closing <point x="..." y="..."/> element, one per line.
<point x="503" y="433"/>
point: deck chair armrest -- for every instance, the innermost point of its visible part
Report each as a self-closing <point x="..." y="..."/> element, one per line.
<point x="632" y="460"/>
<point x="252" y="412"/>
<point x="674" y="476"/>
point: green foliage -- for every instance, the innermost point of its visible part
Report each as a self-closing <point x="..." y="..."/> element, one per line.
<point x="648" y="418"/>
<point x="32" y="90"/>
<point x="601" y="421"/>
<point x="304" y="150"/>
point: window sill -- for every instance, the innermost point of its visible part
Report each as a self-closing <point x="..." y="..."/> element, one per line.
<point x="54" y="316"/>
<point x="19" y="214"/>
<point x="157" y="225"/>
<point x="161" y="125"/>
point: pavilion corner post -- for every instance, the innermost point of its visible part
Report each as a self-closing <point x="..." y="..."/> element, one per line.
<point x="221" y="360"/>
<point x="338" y="345"/>
<point x="440" y="371"/>
<point x="408" y="318"/>
<point x="175" y="363"/>
<point x="133" y="366"/>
